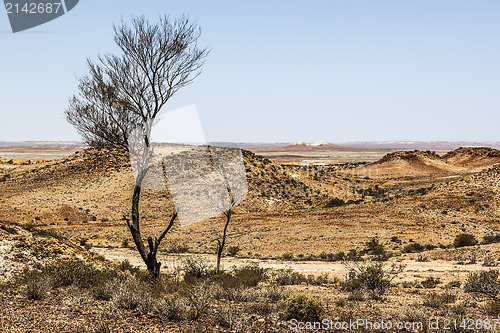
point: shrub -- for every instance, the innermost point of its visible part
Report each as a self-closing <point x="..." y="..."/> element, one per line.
<point x="273" y="293"/>
<point x="335" y="202"/>
<point x="48" y="234"/>
<point x="37" y="285"/>
<point x="103" y="327"/>
<point x="76" y="272"/>
<point x="332" y="256"/>
<point x="492" y="308"/>
<point x="373" y="247"/>
<point x="125" y="243"/>
<point x="287" y="256"/>
<point x="225" y="317"/>
<point x="430" y="282"/>
<point x="199" y="297"/>
<point x="262" y="308"/>
<point x="288" y="276"/>
<point x="304" y="308"/>
<point x="464" y="240"/>
<point x="71" y="272"/>
<point x="318" y="280"/>
<point x="233" y="250"/>
<point x="483" y="284"/>
<point x="125" y="265"/>
<point x="372" y="276"/>
<point x="195" y="270"/>
<point x="131" y="294"/>
<point x="250" y="275"/>
<point x="489" y="261"/>
<point x="436" y="300"/>
<point x="489" y="239"/>
<point x="10" y="230"/>
<point x="413" y="247"/>
<point x="171" y="308"/>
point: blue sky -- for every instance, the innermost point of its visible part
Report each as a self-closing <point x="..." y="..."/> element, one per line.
<point x="283" y="71"/>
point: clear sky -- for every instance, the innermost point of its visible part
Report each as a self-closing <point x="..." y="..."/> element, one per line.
<point x="283" y="71"/>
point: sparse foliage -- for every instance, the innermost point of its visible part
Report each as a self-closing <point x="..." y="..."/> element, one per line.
<point x="372" y="276"/>
<point x="483" y="284"/>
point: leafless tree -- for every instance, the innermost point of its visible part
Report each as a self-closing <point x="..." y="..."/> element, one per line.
<point x="128" y="90"/>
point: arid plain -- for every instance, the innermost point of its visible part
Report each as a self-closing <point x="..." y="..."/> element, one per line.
<point x="311" y="213"/>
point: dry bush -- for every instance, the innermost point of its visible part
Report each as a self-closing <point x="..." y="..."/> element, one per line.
<point x="133" y="294"/>
<point x="303" y="308"/>
<point x="462" y="240"/>
<point x="437" y="300"/>
<point x="285" y="277"/>
<point x="262" y="308"/>
<point x="199" y="297"/>
<point x="273" y="293"/>
<point x="489" y="261"/>
<point x="483" y="284"/>
<point x="430" y="282"/>
<point x="224" y="317"/>
<point x="492" y="308"/>
<point x="356" y="296"/>
<point x="37" y="285"/>
<point x="371" y="276"/>
<point x="171" y="308"/>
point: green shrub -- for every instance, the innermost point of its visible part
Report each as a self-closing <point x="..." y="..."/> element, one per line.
<point x="464" y="240"/>
<point x="304" y="308"/>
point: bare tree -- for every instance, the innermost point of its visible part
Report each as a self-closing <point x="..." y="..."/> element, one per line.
<point x="121" y="91"/>
<point x="129" y="90"/>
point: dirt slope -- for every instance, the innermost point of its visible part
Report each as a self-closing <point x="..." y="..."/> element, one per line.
<point x="425" y="163"/>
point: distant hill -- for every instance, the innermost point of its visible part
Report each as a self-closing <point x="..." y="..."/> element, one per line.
<point x="416" y="162"/>
<point x="419" y="145"/>
<point x="301" y="146"/>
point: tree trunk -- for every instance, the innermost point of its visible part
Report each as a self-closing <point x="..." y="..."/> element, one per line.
<point x="221" y="244"/>
<point x="148" y="255"/>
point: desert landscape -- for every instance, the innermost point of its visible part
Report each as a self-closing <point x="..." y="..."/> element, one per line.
<point x="249" y="166"/>
<point x="428" y="221"/>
